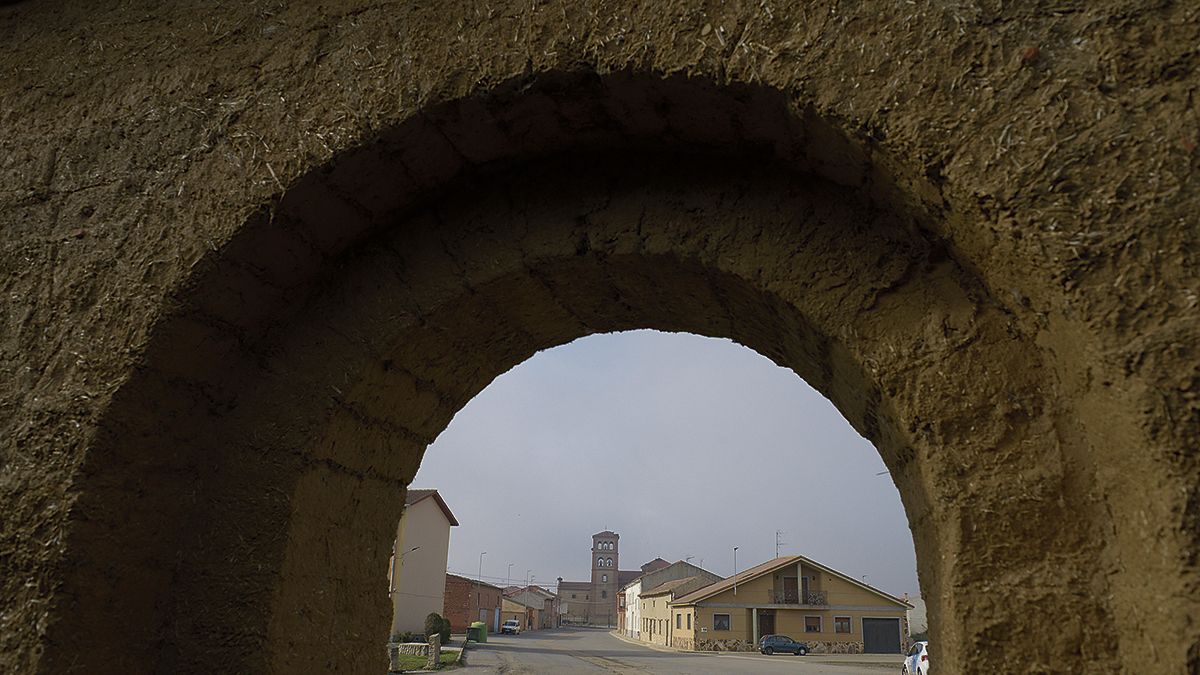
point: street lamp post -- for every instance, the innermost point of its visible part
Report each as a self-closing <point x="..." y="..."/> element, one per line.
<point x="478" y="583"/>
<point x="735" y="548"/>
<point x="509" y="577"/>
<point x="398" y="562"/>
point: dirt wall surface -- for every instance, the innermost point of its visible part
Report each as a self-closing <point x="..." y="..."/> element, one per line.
<point x="256" y="256"/>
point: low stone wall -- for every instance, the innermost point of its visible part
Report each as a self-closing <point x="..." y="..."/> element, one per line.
<point x="410" y="648"/>
<point x="683" y="643"/>
<point x="729" y="645"/>
<point x="839" y="647"/>
<point x="814" y="646"/>
<point x="396" y="649"/>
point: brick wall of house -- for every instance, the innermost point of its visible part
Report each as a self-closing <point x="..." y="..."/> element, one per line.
<point x="462" y="604"/>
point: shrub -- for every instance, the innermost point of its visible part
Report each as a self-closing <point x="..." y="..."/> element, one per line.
<point x="434" y="623"/>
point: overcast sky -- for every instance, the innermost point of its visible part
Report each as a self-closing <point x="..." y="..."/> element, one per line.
<point x="699" y="444"/>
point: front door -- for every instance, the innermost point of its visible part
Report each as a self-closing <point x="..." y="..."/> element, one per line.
<point x="766" y="622"/>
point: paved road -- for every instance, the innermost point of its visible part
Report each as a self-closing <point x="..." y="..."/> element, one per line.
<point x="583" y="650"/>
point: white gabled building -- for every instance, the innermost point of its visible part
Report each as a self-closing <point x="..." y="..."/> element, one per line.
<point x="633" y="617"/>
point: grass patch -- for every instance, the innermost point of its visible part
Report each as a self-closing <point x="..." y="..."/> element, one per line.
<point x="410" y="662"/>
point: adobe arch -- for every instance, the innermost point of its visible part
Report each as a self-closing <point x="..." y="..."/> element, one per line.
<point x="239" y="489"/>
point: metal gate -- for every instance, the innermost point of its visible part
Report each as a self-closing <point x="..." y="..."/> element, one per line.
<point x="881" y="636"/>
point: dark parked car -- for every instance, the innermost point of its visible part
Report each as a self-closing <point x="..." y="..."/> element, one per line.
<point x="781" y="643"/>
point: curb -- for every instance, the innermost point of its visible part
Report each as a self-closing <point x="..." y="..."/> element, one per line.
<point x="658" y="648"/>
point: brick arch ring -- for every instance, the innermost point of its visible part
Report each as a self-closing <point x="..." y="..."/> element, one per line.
<point x="238" y="499"/>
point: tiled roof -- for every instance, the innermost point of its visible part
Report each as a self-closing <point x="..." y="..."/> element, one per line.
<point x="472" y="581"/>
<point x="626" y="576"/>
<point x="768" y="567"/>
<point x="668" y="586"/>
<point x="413" y="496"/>
<point x="741" y="578"/>
<point x="655" y="565"/>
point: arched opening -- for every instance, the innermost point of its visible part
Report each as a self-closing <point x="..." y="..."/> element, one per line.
<point x="239" y="502"/>
<point x="687" y="446"/>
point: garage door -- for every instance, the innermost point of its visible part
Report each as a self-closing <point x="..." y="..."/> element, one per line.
<point x="881" y="636"/>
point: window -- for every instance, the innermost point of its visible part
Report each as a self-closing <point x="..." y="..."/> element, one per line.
<point x="812" y="624"/>
<point x="689" y="621"/>
<point x="720" y="622"/>
<point x="841" y="624"/>
<point x="604" y="578"/>
<point x="604" y="594"/>
<point x="572" y="596"/>
<point x="599" y="562"/>
<point x="678" y="621"/>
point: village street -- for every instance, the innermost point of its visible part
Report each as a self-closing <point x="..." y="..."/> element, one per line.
<point x="585" y="650"/>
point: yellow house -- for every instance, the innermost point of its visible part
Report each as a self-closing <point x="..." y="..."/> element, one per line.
<point x="655" y="608"/>
<point x="530" y="617"/>
<point x="792" y="596"/>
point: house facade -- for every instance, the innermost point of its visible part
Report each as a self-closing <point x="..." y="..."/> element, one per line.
<point x="529" y="616"/>
<point x="469" y="600"/>
<point x="656" y="573"/>
<point x="793" y="596"/>
<point x="417" y="569"/>
<point x="631" y="619"/>
<point x="657" y="612"/>
<point x="538" y="597"/>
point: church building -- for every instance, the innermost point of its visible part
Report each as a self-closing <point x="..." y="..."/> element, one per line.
<point x="595" y="602"/>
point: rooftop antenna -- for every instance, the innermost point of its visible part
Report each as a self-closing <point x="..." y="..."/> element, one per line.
<point x="779" y="542"/>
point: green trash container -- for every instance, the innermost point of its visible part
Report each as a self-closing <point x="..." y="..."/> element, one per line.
<point x="477" y="632"/>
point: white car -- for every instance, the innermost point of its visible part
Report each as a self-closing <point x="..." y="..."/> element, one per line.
<point x="916" y="662"/>
<point x="511" y="626"/>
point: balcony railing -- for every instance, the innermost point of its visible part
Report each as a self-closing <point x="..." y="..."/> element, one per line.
<point x="813" y="598"/>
